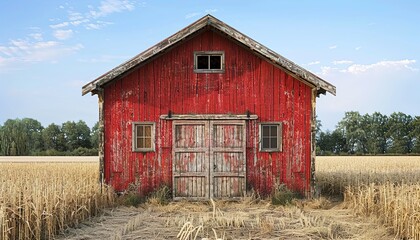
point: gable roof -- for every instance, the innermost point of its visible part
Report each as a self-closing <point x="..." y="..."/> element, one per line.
<point x="208" y="20"/>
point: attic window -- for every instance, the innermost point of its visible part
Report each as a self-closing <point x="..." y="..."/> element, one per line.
<point x="209" y="62"/>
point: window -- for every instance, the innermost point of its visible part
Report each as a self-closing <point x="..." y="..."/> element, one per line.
<point x="143" y="137"/>
<point x="209" y="62"/>
<point x="270" y="137"/>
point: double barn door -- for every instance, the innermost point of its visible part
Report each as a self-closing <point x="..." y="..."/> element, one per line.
<point x="209" y="159"/>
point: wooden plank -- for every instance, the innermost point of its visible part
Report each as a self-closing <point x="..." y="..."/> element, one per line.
<point x="101" y="131"/>
<point x="209" y="117"/>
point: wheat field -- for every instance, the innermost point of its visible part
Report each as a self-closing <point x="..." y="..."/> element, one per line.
<point x="386" y="187"/>
<point x="41" y="199"/>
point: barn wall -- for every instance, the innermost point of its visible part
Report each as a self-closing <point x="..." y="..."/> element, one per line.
<point x="169" y="83"/>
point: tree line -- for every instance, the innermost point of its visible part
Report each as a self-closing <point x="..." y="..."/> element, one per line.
<point x="27" y="136"/>
<point x="368" y="134"/>
<point x="371" y="134"/>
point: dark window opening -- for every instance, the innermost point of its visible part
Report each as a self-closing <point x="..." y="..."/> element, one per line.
<point x="202" y="62"/>
<point x="215" y="62"/>
<point x="209" y="61"/>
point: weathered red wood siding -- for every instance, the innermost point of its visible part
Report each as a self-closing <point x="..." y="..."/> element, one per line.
<point x="169" y="83"/>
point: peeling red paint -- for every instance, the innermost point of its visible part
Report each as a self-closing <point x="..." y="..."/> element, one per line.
<point x="169" y="83"/>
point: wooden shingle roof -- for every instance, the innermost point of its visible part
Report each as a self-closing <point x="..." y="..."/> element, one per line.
<point x="210" y="21"/>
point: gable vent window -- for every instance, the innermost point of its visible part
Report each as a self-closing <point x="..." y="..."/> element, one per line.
<point x="209" y="62"/>
<point x="143" y="137"/>
<point x="270" y="137"/>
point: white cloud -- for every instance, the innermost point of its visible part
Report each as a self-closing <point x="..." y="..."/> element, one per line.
<point x="332" y="47"/>
<point x="105" y="58"/>
<point x="339" y="62"/>
<point x="34" y="48"/>
<point x="382" y="65"/>
<point x="78" y="22"/>
<point x="357" y="48"/>
<point x="209" y="11"/>
<point x="63" y="34"/>
<point x="191" y="15"/>
<point x="74" y="16"/>
<point x="325" y="70"/>
<point x="111" y="6"/>
<point x="194" y="14"/>
<point x="89" y="20"/>
<point x="28" y="51"/>
<point x="36" y="36"/>
<point x="97" y="25"/>
<point x="313" y="63"/>
<point x="59" y="25"/>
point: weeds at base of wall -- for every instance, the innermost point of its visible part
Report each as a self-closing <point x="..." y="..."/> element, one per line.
<point x="281" y="195"/>
<point x="132" y="197"/>
<point x="162" y="196"/>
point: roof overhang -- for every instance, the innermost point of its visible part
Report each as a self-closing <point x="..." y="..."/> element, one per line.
<point x="295" y="70"/>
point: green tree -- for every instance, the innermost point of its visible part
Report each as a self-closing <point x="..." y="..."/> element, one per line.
<point x="331" y="143"/>
<point x="33" y="130"/>
<point x="399" y="129"/>
<point x="84" y="136"/>
<point x="53" y="138"/>
<point x="376" y="126"/>
<point x="13" y="133"/>
<point x="76" y="135"/>
<point x="94" y="136"/>
<point x="1" y="140"/>
<point x="415" y="134"/>
<point x="352" y="127"/>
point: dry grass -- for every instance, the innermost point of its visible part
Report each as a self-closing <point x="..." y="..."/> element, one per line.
<point x="38" y="200"/>
<point x="228" y="220"/>
<point x="385" y="187"/>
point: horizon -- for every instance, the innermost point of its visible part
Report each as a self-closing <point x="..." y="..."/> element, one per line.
<point x="48" y="54"/>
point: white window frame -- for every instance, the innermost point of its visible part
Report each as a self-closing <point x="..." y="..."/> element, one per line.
<point x="209" y="53"/>
<point x="279" y="146"/>
<point x="135" y="137"/>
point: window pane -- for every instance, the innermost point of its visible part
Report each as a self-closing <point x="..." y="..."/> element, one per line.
<point x="265" y="143"/>
<point x="215" y="62"/>
<point x="147" y="131"/>
<point x="147" y="143"/>
<point x="202" y="62"/>
<point x="140" y="131"/>
<point x="265" y="131"/>
<point x="140" y="142"/>
<point x="273" y="142"/>
<point x="273" y="131"/>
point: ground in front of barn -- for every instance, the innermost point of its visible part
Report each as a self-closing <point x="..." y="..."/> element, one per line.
<point x="250" y="218"/>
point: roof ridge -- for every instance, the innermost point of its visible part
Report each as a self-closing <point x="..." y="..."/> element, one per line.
<point x="209" y="20"/>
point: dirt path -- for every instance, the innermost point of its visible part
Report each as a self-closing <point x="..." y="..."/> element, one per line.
<point x="245" y="220"/>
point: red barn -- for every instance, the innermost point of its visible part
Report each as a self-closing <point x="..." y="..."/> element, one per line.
<point x="209" y="112"/>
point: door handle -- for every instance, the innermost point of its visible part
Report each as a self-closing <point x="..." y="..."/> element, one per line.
<point x="214" y="167"/>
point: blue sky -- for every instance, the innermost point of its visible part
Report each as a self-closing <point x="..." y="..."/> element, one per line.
<point x="370" y="50"/>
